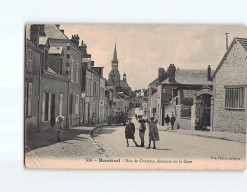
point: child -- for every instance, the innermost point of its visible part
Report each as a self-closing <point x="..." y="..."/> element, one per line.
<point x="59" y="122"/>
<point x="142" y="130"/>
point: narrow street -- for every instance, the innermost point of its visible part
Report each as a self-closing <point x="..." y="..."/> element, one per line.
<point x="109" y="142"/>
<point x="171" y="145"/>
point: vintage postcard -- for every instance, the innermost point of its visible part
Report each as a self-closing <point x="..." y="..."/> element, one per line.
<point x="135" y="97"/>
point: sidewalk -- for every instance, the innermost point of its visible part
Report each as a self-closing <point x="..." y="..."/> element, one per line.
<point x="34" y="140"/>
<point x="237" y="137"/>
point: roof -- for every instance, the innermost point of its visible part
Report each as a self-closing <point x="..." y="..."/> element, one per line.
<point x="123" y="84"/>
<point x="115" y="54"/>
<point x="190" y="77"/>
<point x="51" y="32"/>
<point x="243" y="43"/>
<point x="154" y="82"/>
<point x="55" y="50"/>
<point x="43" y="40"/>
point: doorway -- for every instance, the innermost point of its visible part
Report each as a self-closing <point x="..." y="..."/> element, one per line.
<point x="203" y="106"/>
<point x="53" y="117"/>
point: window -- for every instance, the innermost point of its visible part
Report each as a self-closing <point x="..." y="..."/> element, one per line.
<point x="60" y="104"/>
<point x="45" y="107"/>
<point x="234" y="97"/>
<point x="46" y="60"/>
<point x="77" y="104"/>
<point x="28" y="99"/>
<point x="77" y="72"/>
<point x="68" y="56"/>
<point x="186" y="111"/>
<point x="67" y="64"/>
<point x="67" y="72"/>
<point x="94" y="89"/>
<point x="72" y="71"/>
<point x="68" y="47"/>
<point x="61" y="67"/>
<point x="29" y="62"/>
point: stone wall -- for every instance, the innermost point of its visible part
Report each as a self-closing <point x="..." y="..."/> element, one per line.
<point x="232" y="72"/>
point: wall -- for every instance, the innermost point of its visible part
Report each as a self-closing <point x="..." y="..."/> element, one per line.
<point x="54" y="85"/>
<point x="31" y="122"/>
<point x="232" y="72"/>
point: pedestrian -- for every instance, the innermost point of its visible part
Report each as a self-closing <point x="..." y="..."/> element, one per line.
<point x="130" y="132"/>
<point x="59" y="124"/>
<point x="167" y="121"/>
<point x="153" y="133"/>
<point x="173" y="119"/>
<point x="93" y="118"/>
<point x="136" y="116"/>
<point x="142" y="130"/>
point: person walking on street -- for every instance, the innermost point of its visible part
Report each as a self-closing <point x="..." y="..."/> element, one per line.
<point x="153" y="133"/>
<point x="130" y="132"/>
<point x="167" y="121"/>
<point x="173" y="119"/>
<point x="142" y="130"/>
<point x="59" y="124"/>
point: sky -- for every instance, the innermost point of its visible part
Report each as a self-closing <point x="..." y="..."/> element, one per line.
<point x="143" y="49"/>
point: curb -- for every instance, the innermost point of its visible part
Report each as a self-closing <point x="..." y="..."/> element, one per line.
<point x="207" y="136"/>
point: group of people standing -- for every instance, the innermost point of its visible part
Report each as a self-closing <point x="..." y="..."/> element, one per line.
<point x="169" y="120"/>
<point x="153" y="132"/>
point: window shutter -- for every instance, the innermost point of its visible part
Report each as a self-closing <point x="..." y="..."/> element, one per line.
<point x="43" y="108"/>
<point x="29" y="98"/>
<point x="49" y="107"/>
<point x="61" y="104"/>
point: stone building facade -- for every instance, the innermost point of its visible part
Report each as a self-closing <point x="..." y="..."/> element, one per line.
<point x="33" y="64"/>
<point x="230" y="89"/>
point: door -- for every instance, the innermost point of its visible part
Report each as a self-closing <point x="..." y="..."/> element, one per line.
<point x="53" y="117"/>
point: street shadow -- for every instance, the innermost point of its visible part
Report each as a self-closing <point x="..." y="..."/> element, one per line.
<point x="162" y="149"/>
<point x="43" y="139"/>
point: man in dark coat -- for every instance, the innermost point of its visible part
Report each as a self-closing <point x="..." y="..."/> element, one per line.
<point x="130" y="132"/>
<point x="167" y="121"/>
<point x="173" y="119"/>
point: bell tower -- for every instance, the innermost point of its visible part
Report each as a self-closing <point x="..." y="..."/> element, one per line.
<point x="114" y="76"/>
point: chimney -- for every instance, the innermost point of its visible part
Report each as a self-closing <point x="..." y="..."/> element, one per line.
<point x="57" y="25"/>
<point x="62" y="31"/>
<point x="83" y="48"/>
<point x="34" y="36"/>
<point x="171" y="73"/>
<point x="124" y="77"/>
<point x="161" y="73"/>
<point x="226" y="41"/>
<point x="209" y="73"/>
<point x="75" y="39"/>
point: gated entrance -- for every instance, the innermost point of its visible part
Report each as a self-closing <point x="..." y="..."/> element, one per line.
<point x="203" y="109"/>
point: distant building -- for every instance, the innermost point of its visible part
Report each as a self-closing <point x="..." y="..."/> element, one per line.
<point x="114" y="77"/>
<point x="186" y="94"/>
<point x="230" y="89"/>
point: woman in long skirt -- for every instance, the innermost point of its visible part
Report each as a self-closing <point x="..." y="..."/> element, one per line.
<point x="153" y="133"/>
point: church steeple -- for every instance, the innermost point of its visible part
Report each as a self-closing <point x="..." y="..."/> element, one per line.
<point x="115" y="60"/>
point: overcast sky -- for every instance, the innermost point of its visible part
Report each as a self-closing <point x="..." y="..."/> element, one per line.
<point x="142" y="49"/>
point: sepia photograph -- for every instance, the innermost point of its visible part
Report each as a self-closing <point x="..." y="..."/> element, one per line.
<point x="137" y="96"/>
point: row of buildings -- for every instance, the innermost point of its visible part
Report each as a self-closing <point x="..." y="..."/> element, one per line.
<point x="204" y="99"/>
<point x="61" y="79"/>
